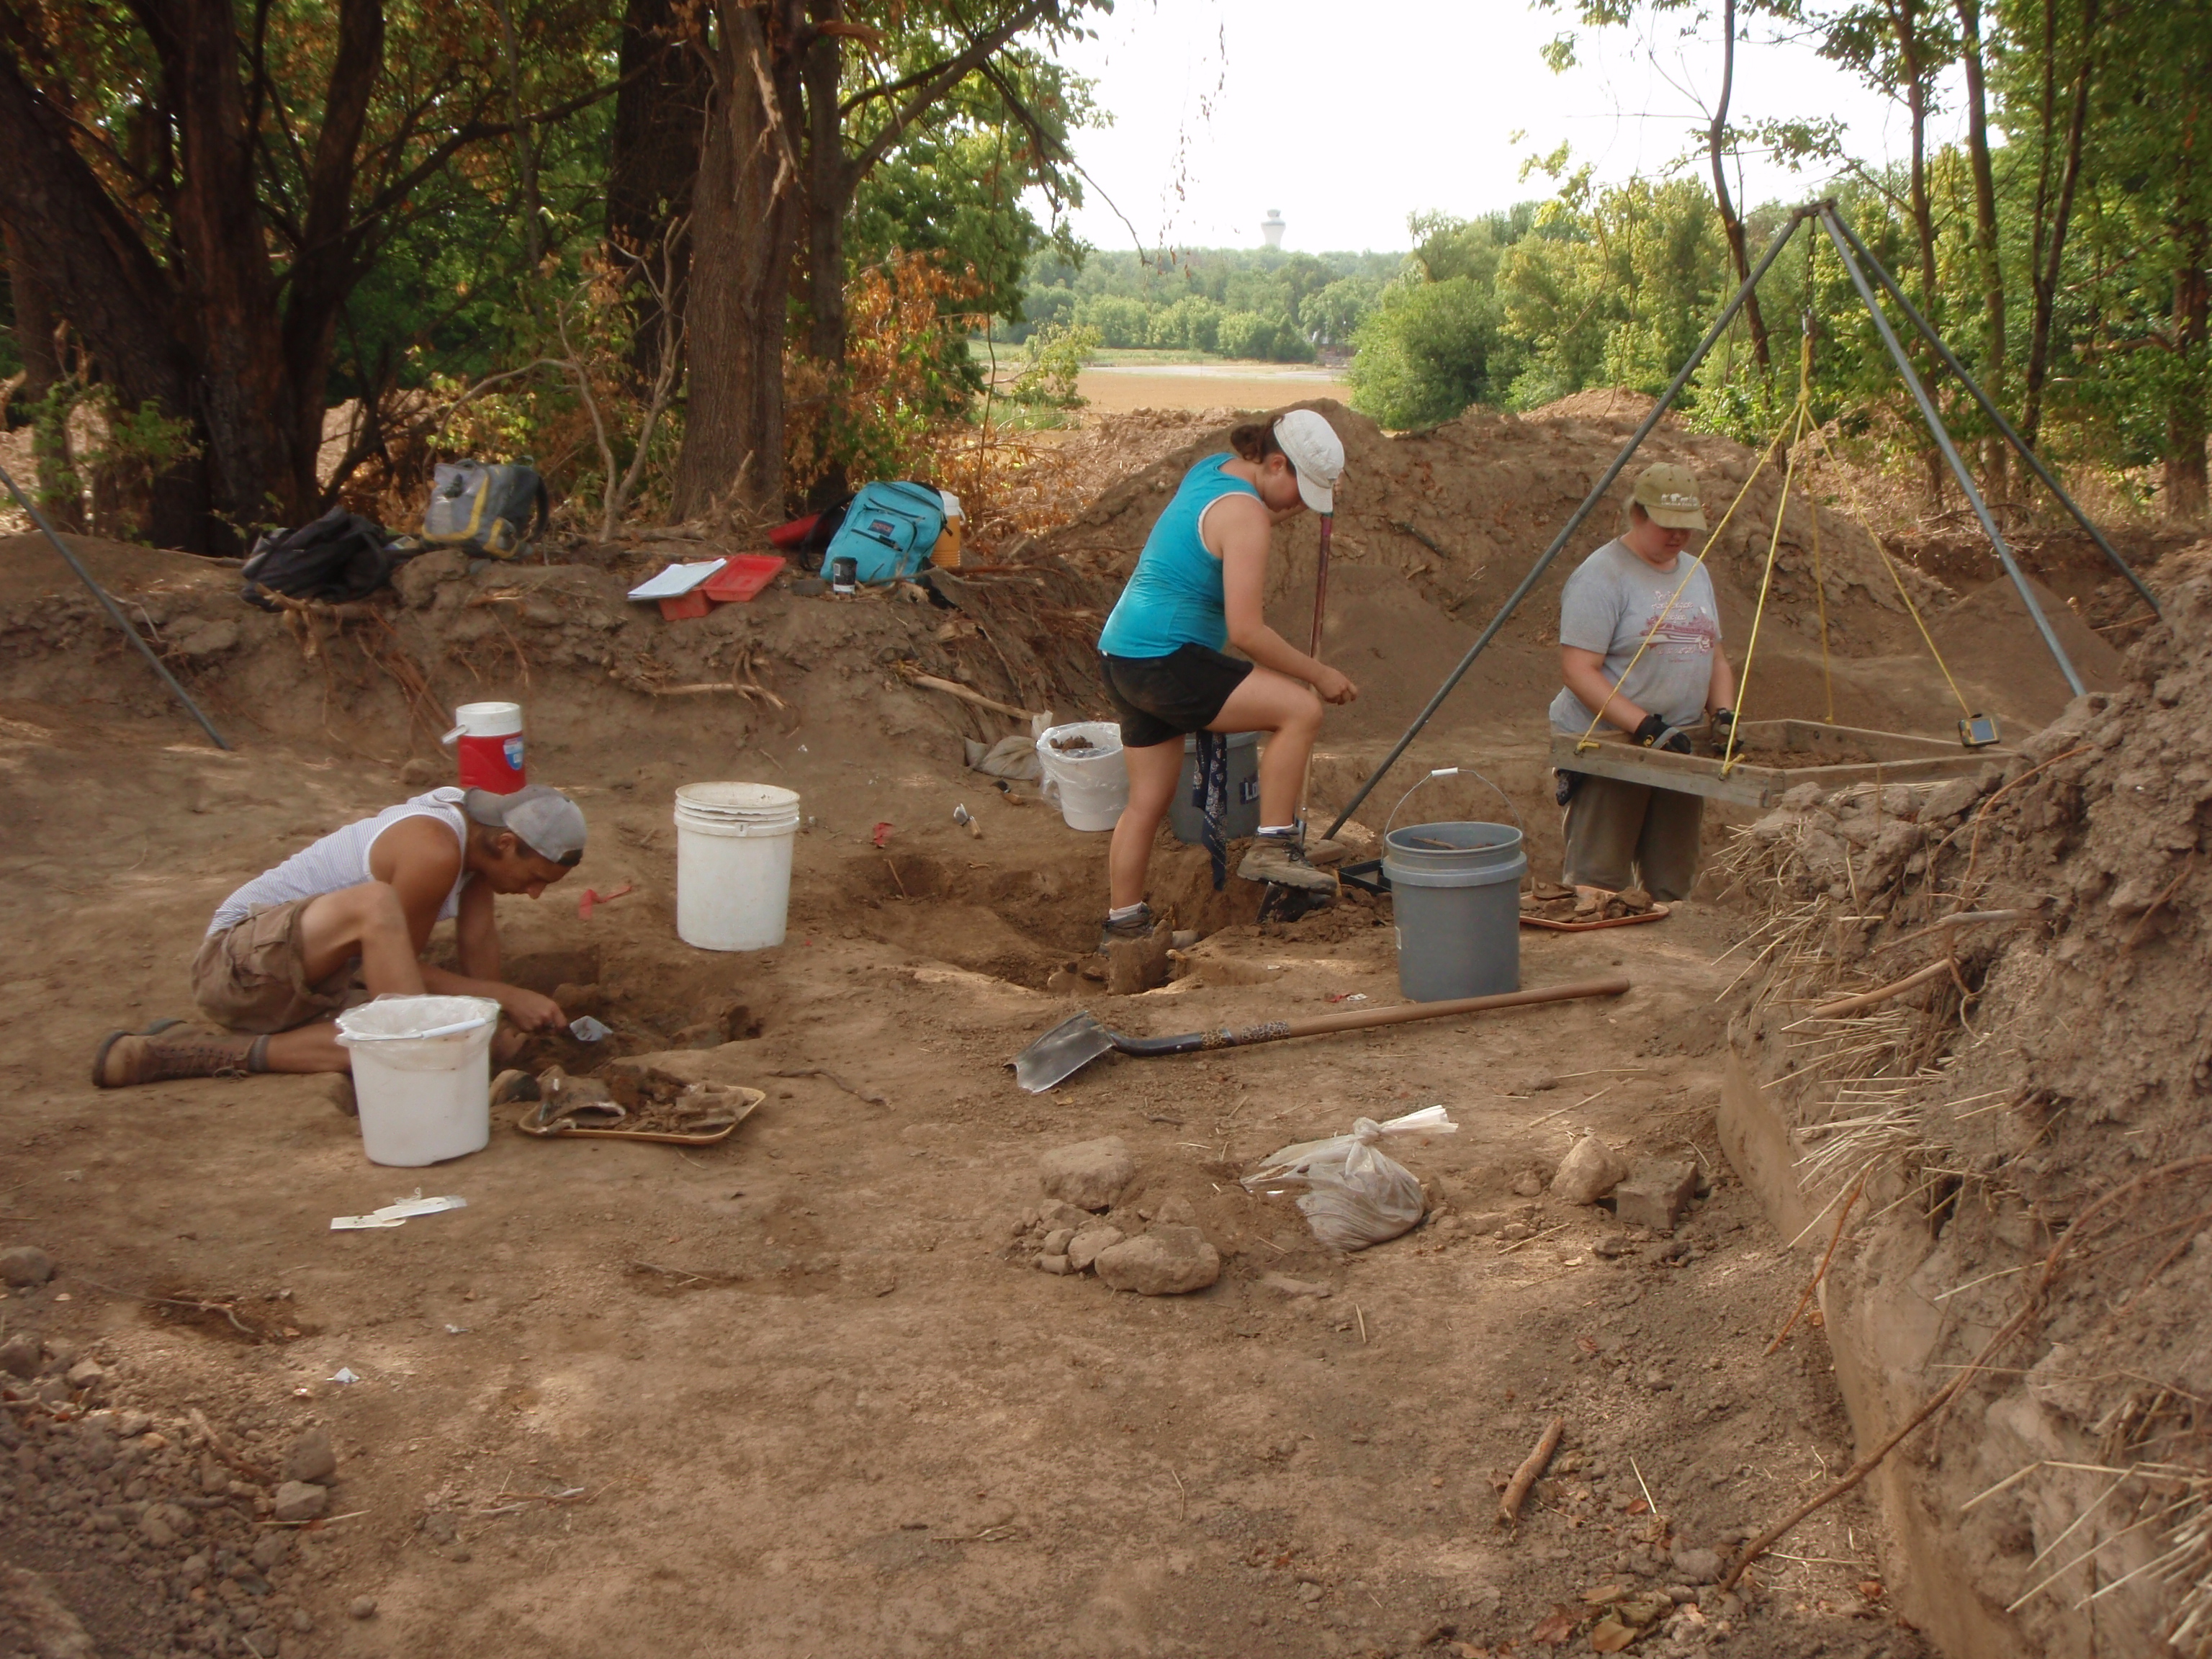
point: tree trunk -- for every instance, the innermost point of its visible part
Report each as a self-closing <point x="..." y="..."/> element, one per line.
<point x="35" y="322"/>
<point x="1739" y="252"/>
<point x="2185" y="424"/>
<point x="246" y="403"/>
<point x="830" y="182"/>
<point x="2045" y="275"/>
<point x="744" y="213"/>
<point x="1905" y="22"/>
<point x="1995" y="467"/>
<point x="655" y="157"/>
<point x="100" y="276"/>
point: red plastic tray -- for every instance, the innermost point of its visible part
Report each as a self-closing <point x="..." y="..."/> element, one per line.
<point x="742" y="578"/>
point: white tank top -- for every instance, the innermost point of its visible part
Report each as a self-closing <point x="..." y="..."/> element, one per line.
<point x="340" y="860"/>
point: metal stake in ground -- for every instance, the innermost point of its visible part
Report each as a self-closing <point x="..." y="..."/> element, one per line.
<point x="1589" y="504"/>
<point x="114" y="615"/>
<point x="1996" y="416"/>
<point x="1941" y="433"/>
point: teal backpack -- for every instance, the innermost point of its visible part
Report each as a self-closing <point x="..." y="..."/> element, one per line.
<point x="889" y="531"/>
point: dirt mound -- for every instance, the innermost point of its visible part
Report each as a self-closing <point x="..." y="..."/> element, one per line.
<point x="1993" y="645"/>
<point x="2021" y="1135"/>
<point x="1435" y="529"/>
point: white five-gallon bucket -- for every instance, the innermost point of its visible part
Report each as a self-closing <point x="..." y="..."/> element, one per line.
<point x="421" y="1075"/>
<point x="733" y="864"/>
<point x="1091" y="786"/>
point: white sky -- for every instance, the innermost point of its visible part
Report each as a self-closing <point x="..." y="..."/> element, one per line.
<point x="1349" y="114"/>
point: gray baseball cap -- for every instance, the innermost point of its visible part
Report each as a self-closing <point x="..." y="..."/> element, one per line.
<point x="543" y="818"/>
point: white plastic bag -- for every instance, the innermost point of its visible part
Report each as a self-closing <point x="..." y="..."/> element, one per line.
<point x="1355" y="1196"/>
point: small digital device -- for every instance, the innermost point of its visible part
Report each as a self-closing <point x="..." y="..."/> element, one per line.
<point x="1978" y="731"/>
<point x="844" y="575"/>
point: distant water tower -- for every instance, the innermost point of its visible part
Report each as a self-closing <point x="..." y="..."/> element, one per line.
<point x="1273" y="226"/>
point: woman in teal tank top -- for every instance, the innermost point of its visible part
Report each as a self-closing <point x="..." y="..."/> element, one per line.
<point x="1198" y="586"/>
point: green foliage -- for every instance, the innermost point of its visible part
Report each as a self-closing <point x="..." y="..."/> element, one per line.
<point x="1120" y="322"/>
<point x="1427" y="352"/>
<point x="1297" y="302"/>
<point x="1056" y="356"/>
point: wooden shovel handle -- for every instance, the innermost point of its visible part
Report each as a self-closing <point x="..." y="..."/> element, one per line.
<point x="1360" y="1019"/>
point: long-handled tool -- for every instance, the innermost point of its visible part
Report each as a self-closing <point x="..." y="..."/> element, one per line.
<point x="1073" y="1043"/>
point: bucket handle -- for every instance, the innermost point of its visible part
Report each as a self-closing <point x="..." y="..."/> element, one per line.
<point x="452" y="737"/>
<point x="1453" y="772"/>
<point x="416" y="1036"/>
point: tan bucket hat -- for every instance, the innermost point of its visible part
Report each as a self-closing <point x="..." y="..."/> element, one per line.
<point x="1669" y="493"/>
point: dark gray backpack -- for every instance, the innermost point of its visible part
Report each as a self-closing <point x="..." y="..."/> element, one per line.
<point x="484" y="506"/>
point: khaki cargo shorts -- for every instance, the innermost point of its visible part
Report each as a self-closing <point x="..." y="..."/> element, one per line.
<point x="250" y="977"/>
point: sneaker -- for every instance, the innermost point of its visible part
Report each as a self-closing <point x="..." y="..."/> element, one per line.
<point x="1137" y="926"/>
<point x="126" y="1058"/>
<point x="1280" y="861"/>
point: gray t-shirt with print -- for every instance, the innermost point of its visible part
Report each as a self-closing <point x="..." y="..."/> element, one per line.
<point x="1611" y="605"/>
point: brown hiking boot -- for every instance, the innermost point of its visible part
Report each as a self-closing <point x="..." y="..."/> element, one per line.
<point x="170" y="1050"/>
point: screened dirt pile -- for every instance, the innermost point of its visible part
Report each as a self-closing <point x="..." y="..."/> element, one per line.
<point x="1435" y="529"/>
<point x="2019" y="1143"/>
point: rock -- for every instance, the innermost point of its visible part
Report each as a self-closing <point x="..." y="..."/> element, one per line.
<point x="1174" y="1211"/>
<point x="1054" y="1262"/>
<point x="214" y="1478"/>
<point x="1057" y="1241"/>
<point x="1800" y="797"/>
<point x="1089" y="1175"/>
<point x="1530" y="1183"/>
<point x="420" y="774"/>
<point x="1949" y="798"/>
<point x="129" y="1425"/>
<point x="26" y="1264"/>
<point x="438" y="1528"/>
<point x="163" y="1524"/>
<point x="1083" y="1249"/>
<point x="1699" y="1567"/>
<point x="1165" y="1262"/>
<point x="39" y="1622"/>
<point x="300" y="1500"/>
<point x="302" y="1620"/>
<point x="1656" y="1194"/>
<point x="272" y="1551"/>
<point x="1612" y="1247"/>
<point x="1588" y="1172"/>
<point x="203" y="638"/>
<point x="313" y="1457"/>
<point x="195" y="1570"/>
<point x="1290" y="1286"/>
<point x="1052" y="1215"/>
<point x="1481" y="1225"/>
<point x="86" y="1377"/>
<point x="19" y="1355"/>
<point x="361" y="1606"/>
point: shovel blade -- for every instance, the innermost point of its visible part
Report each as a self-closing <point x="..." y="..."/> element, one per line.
<point x="1061" y="1053"/>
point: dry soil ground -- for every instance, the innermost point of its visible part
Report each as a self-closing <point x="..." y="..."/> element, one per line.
<point x="810" y="1406"/>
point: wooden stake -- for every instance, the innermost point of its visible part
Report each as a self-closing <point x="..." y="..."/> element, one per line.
<point x="1516" y="1490"/>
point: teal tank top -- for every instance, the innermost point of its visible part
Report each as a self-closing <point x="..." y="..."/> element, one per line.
<point x="1174" y="596"/>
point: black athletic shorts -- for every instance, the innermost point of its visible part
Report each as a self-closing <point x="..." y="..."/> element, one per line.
<point x="1161" y="699"/>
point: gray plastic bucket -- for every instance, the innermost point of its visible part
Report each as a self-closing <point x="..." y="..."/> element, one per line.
<point x="1242" y="816"/>
<point x="1459" y="908"/>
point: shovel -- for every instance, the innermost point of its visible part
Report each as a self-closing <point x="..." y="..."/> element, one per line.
<point x="1077" y="1041"/>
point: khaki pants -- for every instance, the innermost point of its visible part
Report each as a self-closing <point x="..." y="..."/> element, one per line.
<point x="1618" y="833"/>
<point x="250" y="977"/>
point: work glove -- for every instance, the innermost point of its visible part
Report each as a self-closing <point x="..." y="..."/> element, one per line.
<point x="1723" y="720"/>
<point x="1656" y="728"/>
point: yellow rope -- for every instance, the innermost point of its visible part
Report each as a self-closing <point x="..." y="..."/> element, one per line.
<point x="1800" y="414"/>
<point x="1588" y="741"/>
<point x="1860" y="518"/>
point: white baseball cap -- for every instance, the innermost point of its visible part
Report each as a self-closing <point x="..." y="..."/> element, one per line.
<point x="1316" y="454"/>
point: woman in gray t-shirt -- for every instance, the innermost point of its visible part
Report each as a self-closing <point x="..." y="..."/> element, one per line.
<point x="1640" y="651"/>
